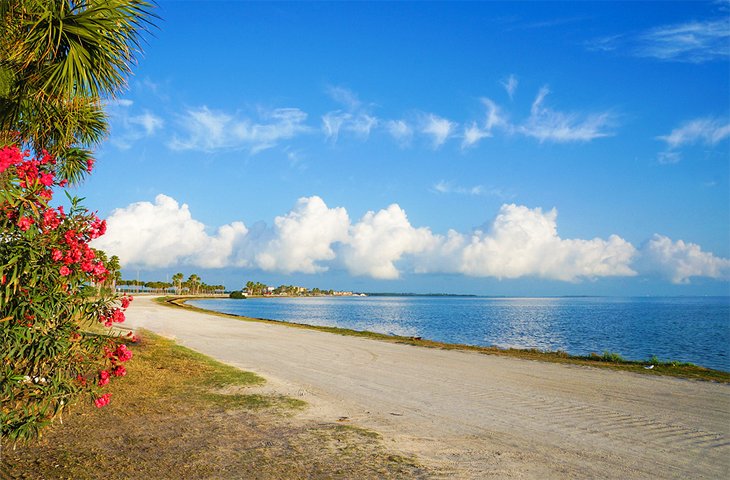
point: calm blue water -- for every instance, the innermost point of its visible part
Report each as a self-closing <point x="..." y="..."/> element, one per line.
<point x="690" y="329"/>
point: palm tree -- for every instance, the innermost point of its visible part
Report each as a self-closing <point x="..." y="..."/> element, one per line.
<point x="58" y="61"/>
<point x="194" y="281"/>
<point x="115" y="271"/>
<point x="177" y="280"/>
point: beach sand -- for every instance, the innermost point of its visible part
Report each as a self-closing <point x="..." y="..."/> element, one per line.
<point x="472" y="415"/>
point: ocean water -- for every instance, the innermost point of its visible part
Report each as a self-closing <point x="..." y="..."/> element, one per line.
<point x="689" y="329"/>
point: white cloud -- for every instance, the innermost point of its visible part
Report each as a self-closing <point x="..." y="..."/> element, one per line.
<point x="494" y="118"/>
<point x="332" y="122"/>
<point x="149" y="121"/>
<point x="473" y="134"/>
<point x="163" y="234"/>
<point x="312" y="237"/>
<point x="694" y="42"/>
<point x="546" y="124"/>
<point x="691" y="42"/>
<point x="208" y="130"/>
<point x="668" y="158"/>
<point x="304" y="237"/>
<point x="401" y="131"/>
<point x="345" y="97"/>
<point x="679" y="261"/>
<point x="510" y="85"/>
<point x="127" y="128"/>
<point x="438" y="128"/>
<point x="524" y="242"/>
<point x="706" y="131"/>
<point x="445" y="187"/>
<point x="380" y="239"/>
<point x="355" y="119"/>
<point x="120" y="102"/>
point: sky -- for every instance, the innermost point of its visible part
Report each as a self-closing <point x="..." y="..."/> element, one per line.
<point x="578" y="148"/>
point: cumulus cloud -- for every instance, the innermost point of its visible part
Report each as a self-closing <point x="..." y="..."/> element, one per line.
<point x="208" y="130"/>
<point x="546" y="124"/>
<point x="680" y="261"/>
<point x="312" y="237"/>
<point x="304" y="237"/>
<point x="525" y="242"/>
<point x="164" y="233"/>
<point x="438" y="128"/>
<point x="380" y="239"/>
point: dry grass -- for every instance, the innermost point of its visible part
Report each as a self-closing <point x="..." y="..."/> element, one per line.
<point x="179" y="414"/>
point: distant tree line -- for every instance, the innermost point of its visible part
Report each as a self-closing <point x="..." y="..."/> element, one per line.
<point x="194" y="285"/>
<point x="258" y="288"/>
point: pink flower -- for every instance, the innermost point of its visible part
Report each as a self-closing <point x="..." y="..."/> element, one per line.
<point x="56" y="254"/>
<point x="50" y="219"/>
<point x="119" y="371"/>
<point x="24" y="223"/>
<point x="122" y="353"/>
<point x="103" y="400"/>
<point x="103" y="378"/>
<point x="90" y="165"/>
<point x="126" y="301"/>
<point x="64" y="271"/>
<point x="46" y="179"/>
<point x="9" y="156"/>
<point x="118" y="316"/>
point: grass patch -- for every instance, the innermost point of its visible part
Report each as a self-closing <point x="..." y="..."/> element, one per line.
<point x="609" y="360"/>
<point x="179" y="414"/>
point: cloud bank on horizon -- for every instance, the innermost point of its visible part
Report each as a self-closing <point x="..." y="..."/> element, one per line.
<point x="312" y="238"/>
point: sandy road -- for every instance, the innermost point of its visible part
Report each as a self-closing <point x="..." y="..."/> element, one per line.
<point x="477" y="416"/>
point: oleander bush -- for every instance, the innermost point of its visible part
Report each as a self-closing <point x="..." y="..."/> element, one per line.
<point x="59" y="62"/>
<point x="50" y="352"/>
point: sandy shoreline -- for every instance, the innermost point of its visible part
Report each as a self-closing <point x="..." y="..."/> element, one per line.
<point x="474" y="415"/>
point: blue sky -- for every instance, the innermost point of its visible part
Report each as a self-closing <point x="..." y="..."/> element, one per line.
<point x="492" y="148"/>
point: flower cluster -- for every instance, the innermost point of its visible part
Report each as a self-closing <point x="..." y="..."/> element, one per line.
<point x="103" y="400"/>
<point x="112" y="315"/>
<point x="54" y="284"/>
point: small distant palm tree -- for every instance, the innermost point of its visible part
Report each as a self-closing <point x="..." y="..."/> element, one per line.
<point x="115" y="271"/>
<point x="177" y="280"/>
<point x="194" y="281"/>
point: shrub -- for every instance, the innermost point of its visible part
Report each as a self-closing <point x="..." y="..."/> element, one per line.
<point x="237" y="295"/>
<point x="48" y="353"/>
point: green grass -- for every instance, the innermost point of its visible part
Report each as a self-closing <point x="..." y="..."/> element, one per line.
<point x="180" y="414"/>
<point x="610" y="360"/>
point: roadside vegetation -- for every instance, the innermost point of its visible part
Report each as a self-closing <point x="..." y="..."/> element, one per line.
<point x="60" y="63"/>
<point x="180" y="414"/>
<point x="610" y="360"/>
